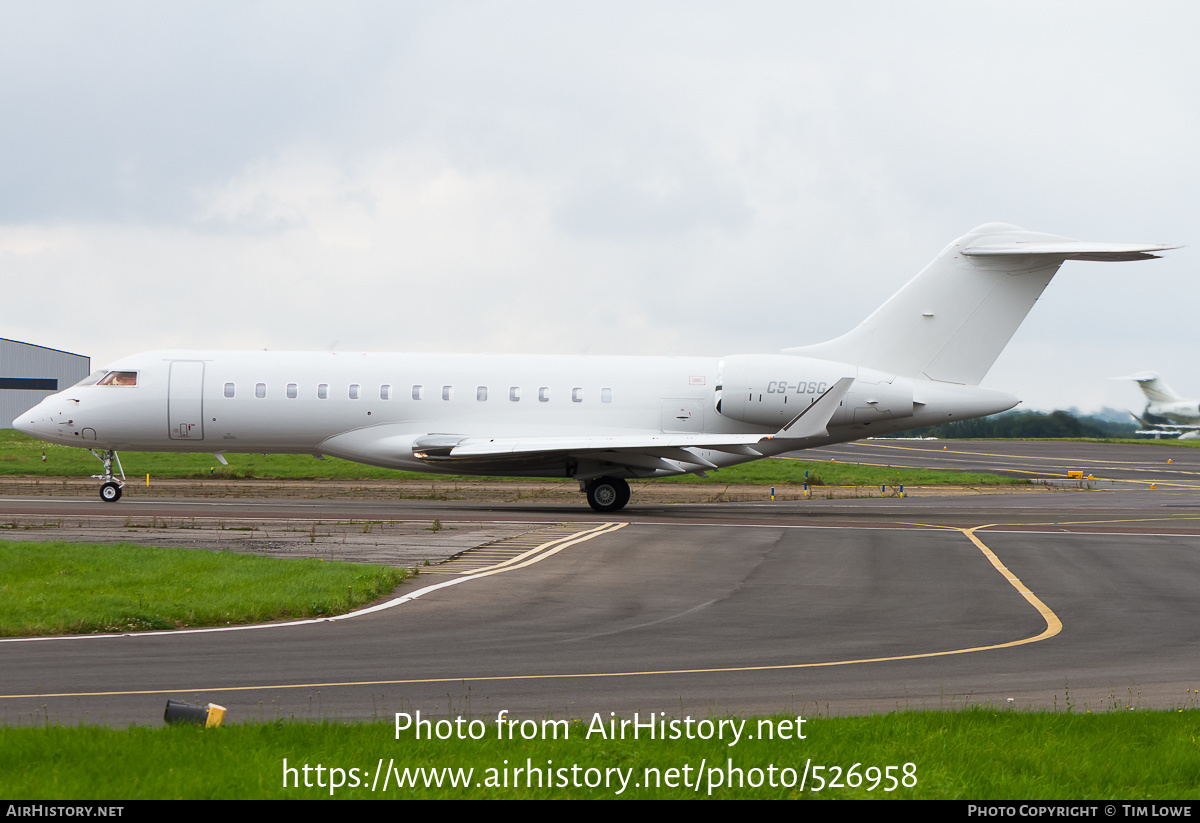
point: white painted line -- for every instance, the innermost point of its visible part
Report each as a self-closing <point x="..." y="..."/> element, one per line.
<point x="579" y="538"/>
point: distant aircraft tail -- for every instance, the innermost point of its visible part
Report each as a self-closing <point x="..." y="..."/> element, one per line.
<point x="951" y="321"/>
<point x="1154" y="388"/>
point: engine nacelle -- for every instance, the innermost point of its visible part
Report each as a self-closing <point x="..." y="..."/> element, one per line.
<point x="770" y="390"/>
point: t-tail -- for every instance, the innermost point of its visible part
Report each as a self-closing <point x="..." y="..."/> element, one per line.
<point x="1154" y="388"/>
<point x="951" y="321"/>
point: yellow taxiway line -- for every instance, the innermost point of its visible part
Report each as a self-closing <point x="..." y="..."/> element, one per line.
<point x="1053" y="627"/>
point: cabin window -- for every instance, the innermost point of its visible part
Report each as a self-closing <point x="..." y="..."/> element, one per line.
<point x="353" y="391"/>
<point x="323" y="391"/>
<point x="229" y="390"/>
<point x="119" y="378"/>
<point x="481" y="392"/>
<point x="418" y="392"/>
<point x="514" y="393"/>
<point x="447" y="392"/>
<point x="606" y="395"/>
<point x="292" y="391"/>
<point x="576" y="395"/>
<point x="385" y="392"/>
<point x="544" y="394"/>
<point x="260" y="390"/>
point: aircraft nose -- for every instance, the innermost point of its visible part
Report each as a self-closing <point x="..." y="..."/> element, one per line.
<point x="31" y="422"/>
<point x="39" y="422"/>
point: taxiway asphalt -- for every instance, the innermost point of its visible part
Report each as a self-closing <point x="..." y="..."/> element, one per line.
<point x="1134" y="465"/>
<point x="821" y="606"/>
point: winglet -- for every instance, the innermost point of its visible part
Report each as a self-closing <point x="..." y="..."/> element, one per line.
<point x="814" y="421"/>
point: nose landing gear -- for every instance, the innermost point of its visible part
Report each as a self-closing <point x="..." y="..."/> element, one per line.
<point x="110" y="489"/>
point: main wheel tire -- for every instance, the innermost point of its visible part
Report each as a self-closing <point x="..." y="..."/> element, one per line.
<point x="110" y="492"/>
<point x="607" y="494"/>
<point x="623" y="489"/>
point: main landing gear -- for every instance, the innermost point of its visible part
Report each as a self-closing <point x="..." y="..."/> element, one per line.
<point x="607" y="494"/>
<point x="110" y="489"/>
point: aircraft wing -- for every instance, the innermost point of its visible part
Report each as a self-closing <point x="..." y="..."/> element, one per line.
<point x="671" y="452"/>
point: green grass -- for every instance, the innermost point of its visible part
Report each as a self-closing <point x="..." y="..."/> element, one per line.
<point x="21" y="455"/>
<point x="978" y="753"/>
<point x="62" y="588"/>
<point x="788" y="471"/>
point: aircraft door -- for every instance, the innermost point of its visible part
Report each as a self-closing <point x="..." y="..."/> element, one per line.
<point x="185" y="400"/>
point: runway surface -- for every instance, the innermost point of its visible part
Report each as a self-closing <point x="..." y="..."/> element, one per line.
<point x="818" y="606"/>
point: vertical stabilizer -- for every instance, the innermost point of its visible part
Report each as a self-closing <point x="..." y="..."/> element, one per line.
<point x="951" y="321"/>
<point x="1154" y="388"/>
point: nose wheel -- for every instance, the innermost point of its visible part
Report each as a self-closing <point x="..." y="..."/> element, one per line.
<point x="110" y="489"/>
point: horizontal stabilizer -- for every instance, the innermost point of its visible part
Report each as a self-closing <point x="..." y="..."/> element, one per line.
<point x="1070" y="250"/>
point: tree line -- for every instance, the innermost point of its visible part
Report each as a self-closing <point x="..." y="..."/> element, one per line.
<point x="1023" y="424"/>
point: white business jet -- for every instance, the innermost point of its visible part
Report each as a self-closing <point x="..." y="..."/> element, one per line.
<point x="916" y="361"/>
<point x="1166" y="412"/>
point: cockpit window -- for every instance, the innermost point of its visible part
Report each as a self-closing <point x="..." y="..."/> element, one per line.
<point x="92" y="379"/>
<point x="119" y="378"/>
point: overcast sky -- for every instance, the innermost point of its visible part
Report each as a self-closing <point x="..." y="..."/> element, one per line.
<point x="597" y="178"/>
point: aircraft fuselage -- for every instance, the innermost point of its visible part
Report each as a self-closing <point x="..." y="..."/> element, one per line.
<point x="375" y="408"/>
